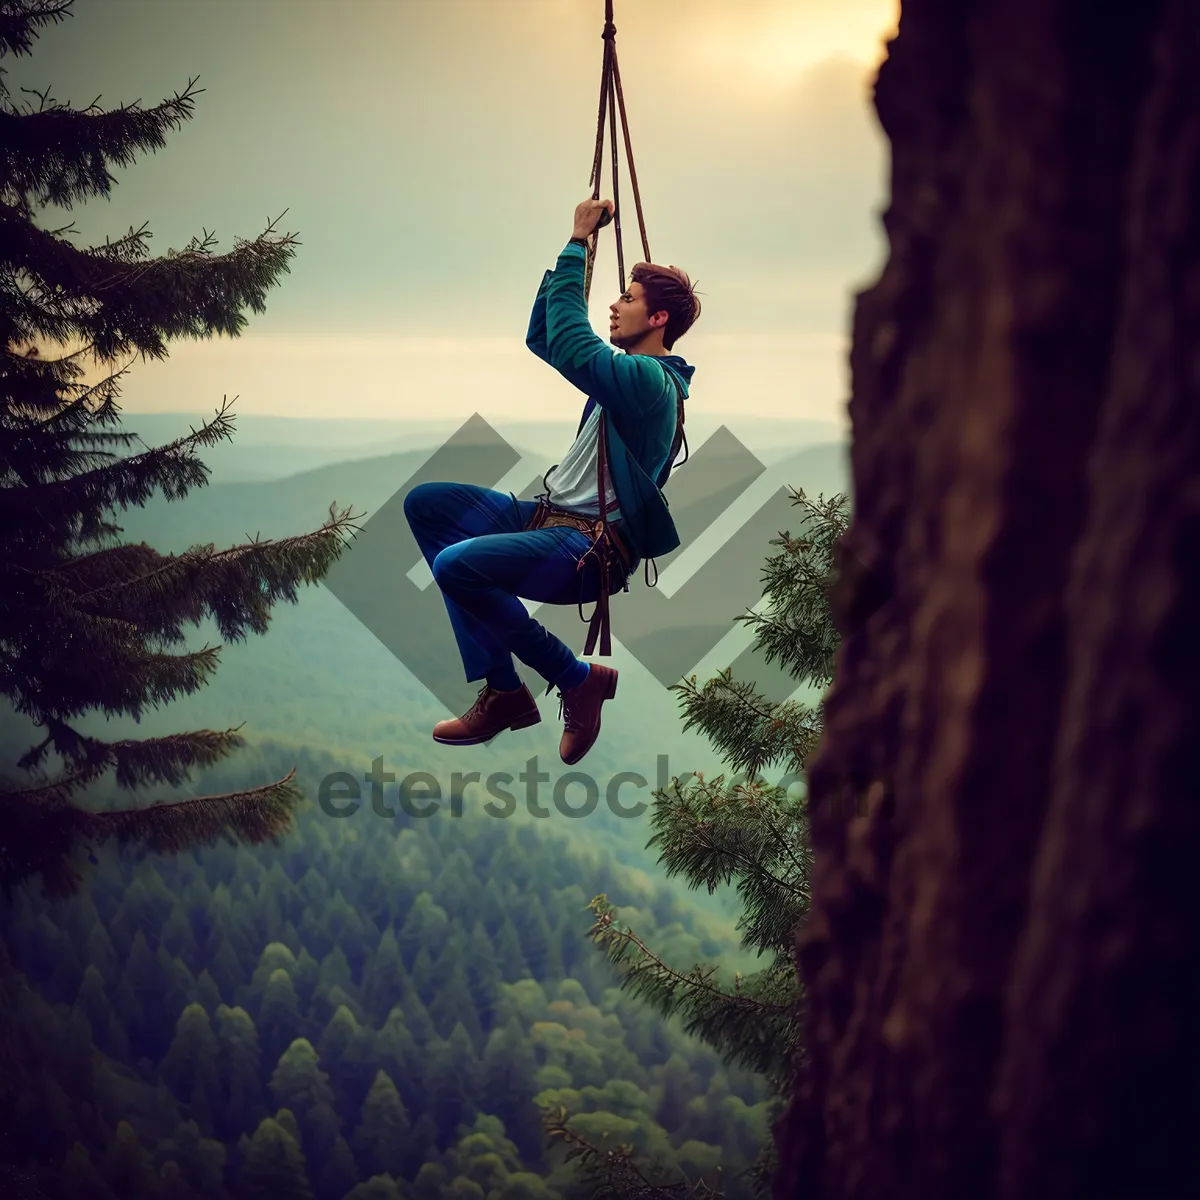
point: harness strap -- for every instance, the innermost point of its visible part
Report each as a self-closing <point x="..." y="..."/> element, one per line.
<point x="600" y="627"/>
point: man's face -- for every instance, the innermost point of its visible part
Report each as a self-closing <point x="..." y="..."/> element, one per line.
<point x="629" y="321"/>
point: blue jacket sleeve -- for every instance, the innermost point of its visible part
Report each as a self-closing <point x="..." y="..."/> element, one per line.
<point x="625" y="384"/>
<point x="535" y="339"/>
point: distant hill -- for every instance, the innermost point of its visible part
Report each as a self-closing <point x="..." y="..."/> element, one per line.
<point x="273" y="447"/>
<point x="226" y="512"/>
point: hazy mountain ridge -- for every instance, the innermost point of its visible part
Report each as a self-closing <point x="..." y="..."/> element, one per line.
<point x="272" y="447"/>
<point x="224" y="511"/>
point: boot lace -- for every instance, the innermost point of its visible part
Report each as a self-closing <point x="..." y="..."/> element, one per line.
<point x="477" y="707"/>
<point x="564" y="713"/>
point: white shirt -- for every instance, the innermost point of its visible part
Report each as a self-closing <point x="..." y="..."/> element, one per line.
<point x="572" y="483"/>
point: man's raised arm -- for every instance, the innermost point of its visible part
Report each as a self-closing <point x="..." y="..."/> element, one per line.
<point x="621" y="383"/>
<point x="535" y="339"/>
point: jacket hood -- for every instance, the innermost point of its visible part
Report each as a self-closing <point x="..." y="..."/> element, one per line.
<point x="680" y="366"/>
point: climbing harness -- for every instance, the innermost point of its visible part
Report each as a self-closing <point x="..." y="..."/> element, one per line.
<point x="607" y="547"/>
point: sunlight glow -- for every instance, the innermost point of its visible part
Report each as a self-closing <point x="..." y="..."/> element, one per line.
<point x="770" y="48"/>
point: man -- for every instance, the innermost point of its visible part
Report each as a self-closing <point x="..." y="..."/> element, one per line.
<point x="488" y="550"/>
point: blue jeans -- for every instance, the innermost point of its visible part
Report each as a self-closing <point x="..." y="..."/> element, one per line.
<point x="484" y="562"/>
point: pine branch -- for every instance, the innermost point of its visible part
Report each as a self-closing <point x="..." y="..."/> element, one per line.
<point x="614" y="1172"/>
<point x="72" y="652"/>
<point x="35" y="448"/>
<point x="161" y="590"/>
<point x="754" y="1025"/>
<point x="796" y="627"/>
<point x="36" y="839"/>
<point x="96" y="662"/>
<point x="23" y="319"/>
<point x="36" y="395"/>
<point x="123" y="307"/>
<point x="59" y="155"/>
<point x="68" y="357"/>
<point x="70" y="508"/>
<point x="712" y="834"/>
<point x="19" y="19"/>
<point x="166" y="759"/>
<point x="745" y="727"/>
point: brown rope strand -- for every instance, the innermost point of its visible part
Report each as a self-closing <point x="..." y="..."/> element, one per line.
<point x="598" y="153"/>
<point x="612" y="137"/>
<point x="612" y="97"/>
<point x="633" y="183"/>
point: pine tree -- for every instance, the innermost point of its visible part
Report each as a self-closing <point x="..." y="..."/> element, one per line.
<point x="86" y="622"/>
<point x="381" y="1139"/>
<point x="338" y="1174"/>
<point x="394" y="1049"/>
<point x="383" y="975"/>
<point x="483" y="975"/>
<point x="453" y="1071"/>
<point x="426" y="924"/>
<point x="453" y="1004"/>
<point x="178" y="940"/>
<point x="201" y="1160"/>
<point x="225" y="968"/>
<point x="240" y="1062"/>
<point x="128" y="1167"/>
<point x="273" y="1165"/>
<point x="174" y="1183"/>
<point x="677" y="1088"/>
<point x="416" y="1015"/>
<point x="100" y="953"/>
<point x="80" y="1178"/>
<point x="191" y="1067"/>
<point x="507" y="1086"/>
<point x="744" y="831"/>
<point x="298" y="1083"/>
<point x="206" y="993"/>
<point x="509" y="952"/>
<point x="280" y="1021"/>
<point x="92" y="1001"/>
<point x="139" y="999"/>
<point x="340" y="1037"/>
<point x="378" y="1187"/>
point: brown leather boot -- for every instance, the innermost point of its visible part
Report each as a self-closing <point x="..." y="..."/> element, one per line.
<point x="580" y="709"/>
<point x="492" y="713"/>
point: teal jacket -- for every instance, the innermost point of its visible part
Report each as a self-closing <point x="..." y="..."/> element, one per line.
<point x="635" y="391"/>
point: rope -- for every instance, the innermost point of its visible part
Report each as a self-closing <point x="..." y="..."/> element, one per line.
<point x="637" y="198"/>
<point x="612" y="99"/>
<point x="612" y="124"/>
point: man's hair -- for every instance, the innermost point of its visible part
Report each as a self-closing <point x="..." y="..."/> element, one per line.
<point x="668" y="288"/>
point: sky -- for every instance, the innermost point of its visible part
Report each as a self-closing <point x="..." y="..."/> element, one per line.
<point x="429" y="155"/>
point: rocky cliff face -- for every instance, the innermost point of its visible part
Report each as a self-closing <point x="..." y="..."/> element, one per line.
<point x="1006" y="803"/>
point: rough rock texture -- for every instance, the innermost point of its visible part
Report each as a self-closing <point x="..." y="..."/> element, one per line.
<point x="1003" y="959"/>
